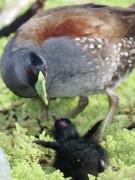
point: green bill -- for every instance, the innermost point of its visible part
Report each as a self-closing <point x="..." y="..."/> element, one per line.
<point x="41" y="88"/>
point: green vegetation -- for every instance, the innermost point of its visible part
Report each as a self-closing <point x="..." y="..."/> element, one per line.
<point x="24" y="156"/>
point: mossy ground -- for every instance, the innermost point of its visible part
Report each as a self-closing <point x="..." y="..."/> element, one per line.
<point x="24" y="156"/>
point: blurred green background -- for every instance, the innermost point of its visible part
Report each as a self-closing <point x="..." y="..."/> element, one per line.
<point x="27" y="112"/>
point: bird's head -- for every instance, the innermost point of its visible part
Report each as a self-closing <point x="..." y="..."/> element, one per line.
<point x="20" y="71"/>
<point x="64" y="129"/>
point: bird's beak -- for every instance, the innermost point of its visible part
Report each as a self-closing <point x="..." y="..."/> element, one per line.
<point x="40" y="87"/>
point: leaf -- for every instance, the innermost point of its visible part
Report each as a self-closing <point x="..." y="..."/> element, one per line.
<point x="41" y="88"/>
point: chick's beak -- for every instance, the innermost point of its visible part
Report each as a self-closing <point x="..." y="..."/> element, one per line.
<point x="55" y="117"/>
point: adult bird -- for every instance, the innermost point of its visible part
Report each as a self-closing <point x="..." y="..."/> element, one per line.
<point x="81" y="50"/>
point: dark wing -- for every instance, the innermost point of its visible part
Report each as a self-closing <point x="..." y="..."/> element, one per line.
<point x="52" y="145"/>
<point x="93" y="132"/>
<point x="88" y="20"/>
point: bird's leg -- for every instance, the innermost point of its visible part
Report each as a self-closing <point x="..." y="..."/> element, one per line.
<point x="42" y="119"/>
<point x="113" y="102"/>
<point x="44" y="116"/>
<point x="82" y="103"/>
<point x="94" y="132"/>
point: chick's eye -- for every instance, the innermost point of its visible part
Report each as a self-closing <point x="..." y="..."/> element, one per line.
<point x="29" y="71"/>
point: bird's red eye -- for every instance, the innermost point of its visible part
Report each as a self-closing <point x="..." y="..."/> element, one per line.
<point x="29" y="71"/>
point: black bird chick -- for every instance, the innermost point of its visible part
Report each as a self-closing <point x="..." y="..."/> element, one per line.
<point x="76" y="156"/>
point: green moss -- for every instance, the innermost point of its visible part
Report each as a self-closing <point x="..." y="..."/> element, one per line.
<point x="23" y="155"/>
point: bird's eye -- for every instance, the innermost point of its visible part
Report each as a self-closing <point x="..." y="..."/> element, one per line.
<point x="29" y="72"/>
